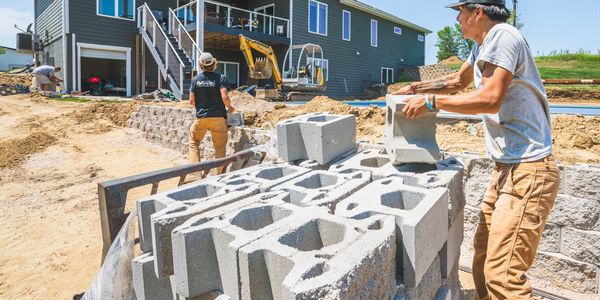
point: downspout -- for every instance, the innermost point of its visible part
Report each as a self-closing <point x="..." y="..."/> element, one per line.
<point x="65" y="29"/>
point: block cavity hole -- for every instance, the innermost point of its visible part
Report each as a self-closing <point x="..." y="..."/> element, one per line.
<point x="275" y="173"/>
<point x="374" y="162"/>
<point x="256" y="218"/>
<point x="196" y="192"/>
<point x="314" y="235"/>
<point x="316" y="181"/>
<point x="405" y="200"/>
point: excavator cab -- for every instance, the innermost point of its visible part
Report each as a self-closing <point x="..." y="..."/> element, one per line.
<point x="303" y="69"/>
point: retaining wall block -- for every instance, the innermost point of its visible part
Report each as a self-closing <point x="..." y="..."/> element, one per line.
<point x="321" y="137"/>
<point x="575" y="212"/>
<point x="478" y="172"/>
<point x="581" y="245"/>
<point x="406" y="140"/>
<point x="145" y="283"/>
<point x="563" y="272"/>
<point x="323" y="188"/>
<point x="322" y="256"/>
<point x="427" y="287"/>
<point x="450" y="253"/>
<point x="166" y="220"/>
<point x="421" y="215"/>
<point x="205" y="252"/>
<point x="269" y="176"/>
<point x="582" y="181"/>
<point x="550" y="241"/>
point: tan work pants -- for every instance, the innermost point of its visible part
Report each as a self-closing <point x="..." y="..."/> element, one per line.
<point x="218" y="132"/>
<point x="512" y="218"/>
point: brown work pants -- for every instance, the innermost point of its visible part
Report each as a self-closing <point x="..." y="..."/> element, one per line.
<point x="218" y="132"/>
<point x="512" y="218"/>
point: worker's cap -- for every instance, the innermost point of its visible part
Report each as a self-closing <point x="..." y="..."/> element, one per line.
<point x="463" y="2"/>
<point x="207" y="60"/>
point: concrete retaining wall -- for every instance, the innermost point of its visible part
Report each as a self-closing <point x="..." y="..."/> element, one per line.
<point x="569" y="254"/>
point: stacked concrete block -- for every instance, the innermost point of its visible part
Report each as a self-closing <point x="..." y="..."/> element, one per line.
<point x="321" y="137"/>
<point x="323" y="188"/>
<point x="567" y="260"/>
<point x="268" y="176"/>
<point x="321" y="256"/>
<point x="166" y="220"/>
<point x="421" y="215"/>
<point x="406" y="140"/>
<point x="206" y="252"/>
<point x="145" y="282"/>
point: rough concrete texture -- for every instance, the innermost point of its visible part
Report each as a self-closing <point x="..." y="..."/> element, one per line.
<point x="145" y="282"/>
<point x="582" y="181"/>
<point x="450" y="252"/>
<point x="575" y="212"/>
<point x="164" y="221"/>
<point x="321" y="137"/>
<point x="205" y="253"/>
<point x="563" y="272"/>
<point x="581" y="245"/>
<point x="551" y="239"/>
<point x="427" y="287"/>
<point x="409" y="141"/>
<point x="321" y="256"/>
<point x="421" y="215"/>
<point x="323" y="188"/>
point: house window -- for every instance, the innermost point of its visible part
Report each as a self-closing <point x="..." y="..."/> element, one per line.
<point x="317" y="17"/>
<point x="398" y="30"/>
<point x="387" y="75"/>
<point x="116" y="8"/>
<point x="231" y="71"/>
<point x="373" y="33"/>
<point x="421" y="38"/>
<point x="323" y="63"/>
<point x="346" y="25"/>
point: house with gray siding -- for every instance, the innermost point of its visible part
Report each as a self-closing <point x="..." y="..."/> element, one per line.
<point x="134" y="46"/>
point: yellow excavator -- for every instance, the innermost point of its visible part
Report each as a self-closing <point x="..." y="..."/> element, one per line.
<point x="303" y="71"/>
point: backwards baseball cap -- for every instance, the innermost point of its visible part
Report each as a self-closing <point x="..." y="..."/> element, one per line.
<point x="463" y="2"/>
<point x="206" y="59"/>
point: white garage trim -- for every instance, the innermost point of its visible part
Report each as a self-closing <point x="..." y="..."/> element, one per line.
<point x="106" y="52"/>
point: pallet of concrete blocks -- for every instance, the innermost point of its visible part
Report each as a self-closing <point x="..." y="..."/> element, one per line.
<point x="323" y="188"/>
<point x="421" y="215"/>
<point x="321" y="137"/>
<point x="406" y="140"/>
<point x="321" y="256"/>
<point x="268" y="176"/>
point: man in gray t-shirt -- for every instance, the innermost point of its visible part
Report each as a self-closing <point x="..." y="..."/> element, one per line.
<point x="46" y="75"/>
<point x="511" y="97"/>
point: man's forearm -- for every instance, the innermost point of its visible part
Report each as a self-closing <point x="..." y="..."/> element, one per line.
<point x="444" y="85"/>
<point x="192" y="99"/>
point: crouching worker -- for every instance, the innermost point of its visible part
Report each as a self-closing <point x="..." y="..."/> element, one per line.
<point x="208" y="94"/>
<point x="45" y="77"/>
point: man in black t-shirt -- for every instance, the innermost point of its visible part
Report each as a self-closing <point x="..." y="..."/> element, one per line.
<point x="208" y="94"/>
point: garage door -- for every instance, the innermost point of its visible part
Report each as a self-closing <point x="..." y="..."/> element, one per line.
<point x="106" y="54"/>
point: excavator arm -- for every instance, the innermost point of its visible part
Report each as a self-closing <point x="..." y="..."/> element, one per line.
<point x="261" y="68"/>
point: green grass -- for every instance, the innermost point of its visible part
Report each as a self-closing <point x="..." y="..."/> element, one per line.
<point x="573" y="87"/>
<point x="73" y="99"/>
<point x="569" y="66"/>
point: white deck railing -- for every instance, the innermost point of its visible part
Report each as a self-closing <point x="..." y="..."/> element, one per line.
<point x="184" y="40"/>
<point x="172" y="62"/>
<point x="234" y="17"/>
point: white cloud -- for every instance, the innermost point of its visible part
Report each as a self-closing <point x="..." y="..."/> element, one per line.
<point x="10" y="17"/>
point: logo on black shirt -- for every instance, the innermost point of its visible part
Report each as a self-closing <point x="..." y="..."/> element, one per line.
<point x="205" y="84"/>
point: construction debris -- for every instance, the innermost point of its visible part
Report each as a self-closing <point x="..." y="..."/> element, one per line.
<point x="160" y="95"/>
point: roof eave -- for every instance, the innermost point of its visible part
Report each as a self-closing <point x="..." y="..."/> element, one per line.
<point x="372" y="10"/>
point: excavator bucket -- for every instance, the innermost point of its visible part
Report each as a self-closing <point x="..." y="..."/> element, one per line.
<point x="262" y="69"/>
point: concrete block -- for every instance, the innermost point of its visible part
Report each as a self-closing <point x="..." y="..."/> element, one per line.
<point x="268" y="176"/>
<point x="581" y="245"/>
<point x="321" y="256"/>
<point x="409" y="141"/>
<point x="323" y="188"/>
<point x="446" y="173"/>
<point x="450" y="252"/>
<point x="477" y="174"/>
<point x="145" y="283"/>
<point x="421" y="215"/>
<point x="166" y="220"/>
<point x="550" y="241"/>
<point x="235" y="119"/>
<point x="321" y="137"/>
<point x="427" y="288"/>
<point x="582" y="181"/>
<point x="563" y="272"/>
<point x="575" y="212"/>
<point x="205" y="253"/>
<point x="470" y="227"/>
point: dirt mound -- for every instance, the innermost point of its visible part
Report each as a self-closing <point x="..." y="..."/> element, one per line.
<point x="14" y="79"/>
<point x="368" y="120"/>
<point x="13" y="152"/>
<point x="246" y="103"/>
<point x="557" y="93"/>
<point x="579" y="132"/>
<point x="117" y="113"/>
<point x="452" y="60"/>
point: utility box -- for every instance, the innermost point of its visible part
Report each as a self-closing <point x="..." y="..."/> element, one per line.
<point x="28" y="43"/>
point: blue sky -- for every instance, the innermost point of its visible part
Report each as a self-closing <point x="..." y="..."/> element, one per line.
<point x="549" y="24"/>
